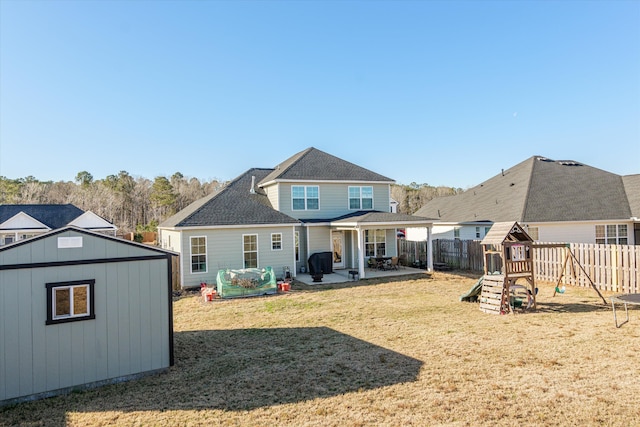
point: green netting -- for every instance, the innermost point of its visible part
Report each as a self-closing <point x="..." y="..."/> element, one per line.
<point x="246" y="282"/>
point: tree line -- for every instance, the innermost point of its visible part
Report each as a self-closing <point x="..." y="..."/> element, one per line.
<point x="136" y="204"/>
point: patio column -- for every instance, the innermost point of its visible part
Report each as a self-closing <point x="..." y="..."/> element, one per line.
<point x="360" y="237"/>
<point x="429" y="250"/>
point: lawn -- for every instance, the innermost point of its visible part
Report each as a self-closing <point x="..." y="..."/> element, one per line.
<point x="395" y="353"/>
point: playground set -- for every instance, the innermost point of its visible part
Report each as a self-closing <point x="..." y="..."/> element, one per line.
<point x="508" y="257"/>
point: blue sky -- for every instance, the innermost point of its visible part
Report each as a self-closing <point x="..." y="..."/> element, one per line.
<point x="444" y="93"/>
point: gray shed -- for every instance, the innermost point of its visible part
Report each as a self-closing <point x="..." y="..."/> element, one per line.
<point x="80" y="309"/>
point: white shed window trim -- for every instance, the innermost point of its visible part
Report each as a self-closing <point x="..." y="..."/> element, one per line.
<point x="70" y="301"/>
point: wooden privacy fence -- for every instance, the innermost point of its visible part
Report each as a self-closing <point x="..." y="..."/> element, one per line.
<point x="614" y="268"/>
<point x="459" y="254"/>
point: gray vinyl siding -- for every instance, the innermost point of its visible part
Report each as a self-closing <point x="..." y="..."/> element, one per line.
<point x="334" y="200"/>
<point x="272" y="195"/>
<point x="225" y="250"/>
<point x="319" y="239"/>
<point x="129" y="335"/>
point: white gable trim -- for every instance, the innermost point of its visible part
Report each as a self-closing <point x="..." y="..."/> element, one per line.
<point x="22" y="221"/>
<point x="91" y="221"/>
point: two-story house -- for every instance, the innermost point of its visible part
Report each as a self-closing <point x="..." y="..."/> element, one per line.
<point x="311" y="203"/>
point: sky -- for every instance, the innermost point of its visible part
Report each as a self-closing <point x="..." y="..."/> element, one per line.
<point x="428" y="92"/>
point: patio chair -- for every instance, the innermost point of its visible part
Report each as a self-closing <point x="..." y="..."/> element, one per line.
<point x="394" y="262"/>
<point x="372" y="264"/>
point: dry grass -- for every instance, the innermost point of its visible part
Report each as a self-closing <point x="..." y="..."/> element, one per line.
<point x="395" y="354"/>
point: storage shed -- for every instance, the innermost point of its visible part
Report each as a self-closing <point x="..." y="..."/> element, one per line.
<point x="80" y="309"/>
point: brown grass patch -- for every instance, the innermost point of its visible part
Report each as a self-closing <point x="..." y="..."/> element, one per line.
<point x="396" y="353"/>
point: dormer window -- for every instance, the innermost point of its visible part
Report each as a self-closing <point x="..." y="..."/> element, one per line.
<point x="360" y="198"/>
<point x="305" y="197"/>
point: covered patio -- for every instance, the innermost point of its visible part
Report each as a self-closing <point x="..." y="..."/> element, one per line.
<point x="359" y="236"/>
<point x="343" y="276"/>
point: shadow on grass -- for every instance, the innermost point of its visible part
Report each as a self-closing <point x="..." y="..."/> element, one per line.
<point x="239" y="370"/>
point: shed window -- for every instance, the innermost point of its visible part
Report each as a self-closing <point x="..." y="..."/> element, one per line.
<point x="70" y="301"/>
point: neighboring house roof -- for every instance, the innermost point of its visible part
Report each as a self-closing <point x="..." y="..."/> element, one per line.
<point x="539" y="190"/>
<point x="315" y="165"/>
<point x="632" y="188"/>
<point x="234" y="205"/>
<point x="53" y="216"/>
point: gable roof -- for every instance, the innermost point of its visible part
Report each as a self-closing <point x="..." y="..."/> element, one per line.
<point x="501" y="232"/>
<point x="632" y="188"/>
<point x="316" y="165"/>
<point x="53" y="216"/>
<point x="234" y="205"/>
<point x="537" y="190"/>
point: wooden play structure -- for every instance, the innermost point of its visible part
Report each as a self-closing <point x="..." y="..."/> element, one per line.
<point x="508" y="256"/>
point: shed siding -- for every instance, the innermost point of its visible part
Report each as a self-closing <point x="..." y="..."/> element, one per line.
<point x="129" y="335"/>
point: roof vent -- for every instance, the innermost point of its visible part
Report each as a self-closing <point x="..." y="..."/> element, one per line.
<point x="568" y="163"/>
<point x="544" y="159"/>
<point x="253" y="185"/>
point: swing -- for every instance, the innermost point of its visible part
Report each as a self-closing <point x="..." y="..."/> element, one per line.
<point x="560" y="290"/>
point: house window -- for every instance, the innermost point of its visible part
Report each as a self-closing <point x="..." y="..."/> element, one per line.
<point x="612" y="234"/>
<point x="70" y="301"/>
<point x="199" y="254"/>
<point x="250" y="250"/>
<point x="360" y="198"/>
<point x="7" y="238"/>
<point x="533" y="232"/>
<point x="297" y="243"/>
<point x="276" y="241"/>
<point x="456" y="232"/>
<point x="486" y="230"/>
<point x="305" y="197"/>
<point x="375" y="243"/>
<point x="477" y="232"/>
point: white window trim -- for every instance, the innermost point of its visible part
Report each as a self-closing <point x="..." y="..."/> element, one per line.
<point x="306" y="197"/>
<point x="281" y="242"/>
<point x="375" y="242"/>
<point x="206" y="255"/>
<point x="257" y="251"/>
<point x="360" y="198"/>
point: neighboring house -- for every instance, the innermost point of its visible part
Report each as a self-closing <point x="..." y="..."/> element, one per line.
<point x="311" y="203"/>
<point x="80" y="309"/>
<point x="18" y="222"/>
<point x="556" y="201"/>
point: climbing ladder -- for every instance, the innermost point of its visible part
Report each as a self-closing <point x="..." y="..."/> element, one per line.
<point x="494" y="296"/>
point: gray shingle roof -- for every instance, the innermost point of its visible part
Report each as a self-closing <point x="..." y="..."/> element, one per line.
<point x="537" y="190"/>
<point x="313" y="164"/>
<point x="632" y="188"/>
<point x="233" y="205"/>
<point x="53" y="216"/>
